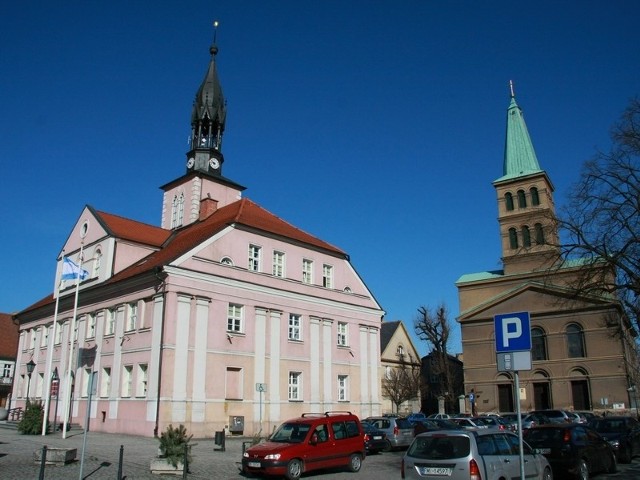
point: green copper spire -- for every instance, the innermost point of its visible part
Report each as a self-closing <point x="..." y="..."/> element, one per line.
<point x="519" y="155"/>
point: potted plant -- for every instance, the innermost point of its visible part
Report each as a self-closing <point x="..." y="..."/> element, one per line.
<point x="174" y="445"/>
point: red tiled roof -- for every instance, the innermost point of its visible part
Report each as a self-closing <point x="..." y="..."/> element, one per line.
<point x="128" y="229"/>
<point x="9" y="337"/>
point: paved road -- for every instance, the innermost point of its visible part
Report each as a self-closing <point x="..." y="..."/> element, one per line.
<point x="102" y="454"/>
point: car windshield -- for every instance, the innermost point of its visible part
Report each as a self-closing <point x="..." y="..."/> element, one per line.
<point x="609" y="426"/>
<point x="291" y="433"/>
<point x="440" y="447"/>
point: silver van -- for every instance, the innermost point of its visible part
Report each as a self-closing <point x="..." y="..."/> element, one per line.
<point x="471" y="454"/>
<point x="399" y="430"/>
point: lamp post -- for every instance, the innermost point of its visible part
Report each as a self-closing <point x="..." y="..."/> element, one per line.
<point x="54" y="390"/>
<point x="30" y="366"/>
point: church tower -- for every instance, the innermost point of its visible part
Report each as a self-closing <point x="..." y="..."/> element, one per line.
<point x="526" y="212"/>
<point x="202" y="189"/>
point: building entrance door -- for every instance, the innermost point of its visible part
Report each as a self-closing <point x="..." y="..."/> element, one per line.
<point x="541" y="396"/>
<point x="505" y="398"/>
<point x="580" y="393"/>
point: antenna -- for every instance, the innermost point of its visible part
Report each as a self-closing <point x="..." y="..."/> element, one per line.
<point x="511" y="88"/>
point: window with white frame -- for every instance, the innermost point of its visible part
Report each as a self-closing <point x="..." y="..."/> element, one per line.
<point x="97" y="262"/>
<point x="307" y="271"/>
<point x="91" y="326"/>
<point x="86" y="382"/>
<point x="177" y="211"/>
<point x="132" y="316"/>
<point x="59" y="332"/>
<point x="295" y="385"/>
<point x="234" y="318"/>
<point x="105" y="382"/>
<point x="343" y="334"/>
<point x="110" y="325"/>
<point x="127" y="379"/>
<point x="44" y="336"/>
<point x="32" y="343"/>
<point x="141" y="380"/>
<point x="278" y="264"/>
<point x="327" y="276"/>
<point x="6" y="371"/>
<point x="254" y="258"/>
<point x="295" y="326"/>
<point x="343" y="390"/>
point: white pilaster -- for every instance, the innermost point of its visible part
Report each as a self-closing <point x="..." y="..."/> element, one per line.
<point x="365" y="392"/>
<point x="259" y="360"/>
<point x="181" y="360"/>
<point x="327" y="358"/>
<point x="314" y="366"/>
<point x="200" y="360"/>
<point x="274" y="369"/>
<point x="154" y="362"/>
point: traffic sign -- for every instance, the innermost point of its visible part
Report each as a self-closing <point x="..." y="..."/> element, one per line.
<point x="512" y="332"/>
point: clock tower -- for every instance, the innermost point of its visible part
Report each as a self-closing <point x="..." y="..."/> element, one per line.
<point x="207" y="124"/>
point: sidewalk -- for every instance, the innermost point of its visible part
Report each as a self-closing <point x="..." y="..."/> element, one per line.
<point x="102" y="453"/>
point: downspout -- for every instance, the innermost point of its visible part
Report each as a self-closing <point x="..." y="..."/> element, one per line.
<point x="164" y="312"/>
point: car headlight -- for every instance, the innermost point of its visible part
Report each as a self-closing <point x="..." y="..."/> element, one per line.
<point x="614" y="443"/>
<point x="272" y="456"/>
<point x="245" y="455"/>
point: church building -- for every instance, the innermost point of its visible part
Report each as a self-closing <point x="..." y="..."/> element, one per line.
<point x="223" y="317"/>
<point x="581" y="346"/>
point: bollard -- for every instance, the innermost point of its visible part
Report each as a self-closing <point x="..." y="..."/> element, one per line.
<point x="120" y="462"/>
<point x="185" y="466"/>
<point x="43" y="462"/>
<point x="219" y="440"/>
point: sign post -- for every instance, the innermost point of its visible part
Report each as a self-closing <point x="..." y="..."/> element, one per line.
<point x="261" y="388"/>
<point x="513" y="353"/>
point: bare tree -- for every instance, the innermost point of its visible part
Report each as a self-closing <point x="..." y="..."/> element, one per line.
<point x="433" y="327"/>
<point x="601" y="222"/>
<point x="402" y="383"/>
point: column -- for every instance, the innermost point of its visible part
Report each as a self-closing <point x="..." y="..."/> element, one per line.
<point x="181" y="360"/>
<point x="200" y="360"/>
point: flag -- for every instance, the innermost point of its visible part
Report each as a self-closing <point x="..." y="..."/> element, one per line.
<point x="71" y="271"/>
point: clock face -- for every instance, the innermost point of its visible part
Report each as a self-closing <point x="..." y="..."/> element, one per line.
<point x="214" y="163"/>
<point x="191" y="162"/>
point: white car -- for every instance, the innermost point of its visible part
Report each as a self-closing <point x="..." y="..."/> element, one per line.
<point x="442" y="416"/>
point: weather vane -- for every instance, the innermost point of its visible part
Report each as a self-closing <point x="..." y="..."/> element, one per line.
<point x="215" y="30"/>
<point x="511" y="88"/>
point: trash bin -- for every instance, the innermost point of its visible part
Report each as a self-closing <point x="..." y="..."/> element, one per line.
<point x="219" y="439"/>
<point x="236" y="424"/>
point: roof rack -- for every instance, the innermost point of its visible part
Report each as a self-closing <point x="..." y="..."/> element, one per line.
<point x="326" y="414"/>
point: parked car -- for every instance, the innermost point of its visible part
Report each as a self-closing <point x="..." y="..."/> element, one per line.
<point x="622" y="433"/>
<point x="312" y="441"/>
<point x="576" y="417"/>
<point x="469" y="423"/>
<point x="445" y="416"/>
<point x="464" y="455"/>
<point x="511" y="419"/>
<point x="375" y="440"/>
<point x="589" y="415"/>
<point x="533" y="420"/>
<point x="415" y="417"/>
<point x="493" y="422"/>
<point x="554" y="416"/>
<point x="432" y="425"/>
<point x="399" y="430"/>
<point x="573" y="450"/>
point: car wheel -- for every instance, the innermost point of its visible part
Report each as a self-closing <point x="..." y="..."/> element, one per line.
<point x="547" y="474"/>
<point x="294" y="469"/>
<point x="387" y="447"/>
<point x="583" y="470"/>
<point x="613" y="464"/>
<point x="355" y="463"/>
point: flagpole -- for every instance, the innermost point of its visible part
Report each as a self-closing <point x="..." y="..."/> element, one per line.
<point x="45" y="417"/>
<point x="72" y="331"/>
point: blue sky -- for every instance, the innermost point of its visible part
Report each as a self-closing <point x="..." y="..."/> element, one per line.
<point x="376" y="125"/>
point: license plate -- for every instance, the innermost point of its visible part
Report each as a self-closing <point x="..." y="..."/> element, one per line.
<point x="377" y="437"/>
<point x="436" y="471"/>
<point x="544" y="451"/>
<point x="254" y="464"/>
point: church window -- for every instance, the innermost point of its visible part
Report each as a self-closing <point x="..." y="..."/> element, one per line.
<point x="538" y="344"/>
<point x="535" y="197"/>
<point x="575" y="341"/>
<point x="508" y="200"/>
<point x="526" y="237"/>
<point x="539" y="234"/>
<point x="513" y="238"/>
<point x="522" y="199"/>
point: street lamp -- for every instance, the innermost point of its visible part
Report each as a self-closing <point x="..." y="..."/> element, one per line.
<point x="30" y="366"/>
<point x="54" y="388"/>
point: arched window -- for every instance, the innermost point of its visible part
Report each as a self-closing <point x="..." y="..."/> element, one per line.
<point x="227" y="261"/>
<point x="174" y="212"/>
<point x="526" y="237"/>
<point x="539" y="234"/>
<point x="180" y="212"/>
<point x="575" y="341"/>
<point x="535" y="198"/>
<point x="400" y="351"/>
<point x="513" y="238"/>
<point x="522" y="199"/>
<point x="538" y="344"/>
<point x="508" y="201"/>
<point x="97" y="260"/>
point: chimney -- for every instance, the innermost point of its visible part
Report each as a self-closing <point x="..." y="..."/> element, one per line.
<point x="207" y="207"/>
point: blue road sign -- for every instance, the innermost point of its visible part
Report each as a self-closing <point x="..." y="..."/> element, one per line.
<point x="513" y="332"/>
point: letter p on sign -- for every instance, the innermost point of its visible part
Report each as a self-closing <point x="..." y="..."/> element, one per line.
<point x="513" y="332"/>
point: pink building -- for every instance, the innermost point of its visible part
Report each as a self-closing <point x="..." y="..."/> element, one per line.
<point x="225" y="316"/>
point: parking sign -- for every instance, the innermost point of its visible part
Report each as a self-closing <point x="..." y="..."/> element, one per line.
<point x="513" y="332"/>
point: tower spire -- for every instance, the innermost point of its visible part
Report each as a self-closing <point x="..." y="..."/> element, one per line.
<point x="208" y="120"/>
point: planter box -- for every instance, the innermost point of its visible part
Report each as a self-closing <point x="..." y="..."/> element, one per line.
<point x="56" y="456"/>
<point x="160" y="466"/>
